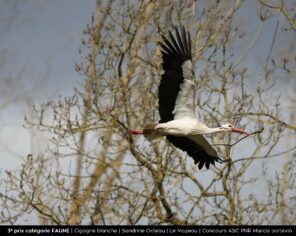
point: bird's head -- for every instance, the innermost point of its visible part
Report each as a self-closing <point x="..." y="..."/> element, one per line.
<point x="231" y="128"/>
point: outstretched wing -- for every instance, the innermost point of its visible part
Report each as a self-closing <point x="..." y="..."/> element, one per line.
<point x="196" y="147"/>
<point x="177" y="96"/>
<point x="177" y="87"/>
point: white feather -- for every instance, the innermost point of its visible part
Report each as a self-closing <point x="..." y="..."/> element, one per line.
<point x="202" y="142"/>
<point x="185" y="102"/>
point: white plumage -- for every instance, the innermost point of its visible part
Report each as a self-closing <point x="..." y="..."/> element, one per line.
<point x="177" y="104"/>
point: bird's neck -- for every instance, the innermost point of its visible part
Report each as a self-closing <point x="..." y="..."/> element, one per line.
<point x="214" y="130"/>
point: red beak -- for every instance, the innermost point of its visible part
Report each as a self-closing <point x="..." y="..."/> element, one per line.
<point x="240" y="131"/>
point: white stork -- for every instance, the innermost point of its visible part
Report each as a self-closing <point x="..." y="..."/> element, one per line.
<point x="177" y="104"/>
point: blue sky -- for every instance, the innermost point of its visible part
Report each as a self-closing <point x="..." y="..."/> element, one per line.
<point x="44" y="39"/>
<point x="42" y="42"/>
<point x="46" y="36"/>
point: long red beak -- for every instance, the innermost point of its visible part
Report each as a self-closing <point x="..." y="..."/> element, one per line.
<point x="240" y="131"/>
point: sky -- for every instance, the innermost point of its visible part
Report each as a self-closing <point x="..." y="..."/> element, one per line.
<point x="42" y="42"/>
<point x="46" y="37"/>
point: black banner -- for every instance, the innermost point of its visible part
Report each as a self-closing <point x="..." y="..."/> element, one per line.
<point x="151" y="230"/>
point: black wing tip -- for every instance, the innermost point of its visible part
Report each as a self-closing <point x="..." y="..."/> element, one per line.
<point x="200" y="157"/>
<point x="207" y="163"/>
<point x="179" y="45"/>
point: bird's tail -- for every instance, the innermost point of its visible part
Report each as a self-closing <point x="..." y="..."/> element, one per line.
<point x="149" y="132"/>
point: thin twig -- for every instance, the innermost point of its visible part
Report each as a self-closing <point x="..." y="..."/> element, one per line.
<point x="266" y="156"/>
<point x="231" y="145"/>
<point x="272" y="44"/>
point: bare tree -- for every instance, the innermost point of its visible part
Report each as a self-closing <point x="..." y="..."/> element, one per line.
<point x="94" y="173"/>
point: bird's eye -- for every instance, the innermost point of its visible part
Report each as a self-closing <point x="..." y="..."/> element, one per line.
<point x="230" y="126"/>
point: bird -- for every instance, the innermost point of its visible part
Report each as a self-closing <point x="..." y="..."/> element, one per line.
<point x="176" y="104"/>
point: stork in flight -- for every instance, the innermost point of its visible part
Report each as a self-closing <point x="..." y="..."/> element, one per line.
<point x="177" y="104"/>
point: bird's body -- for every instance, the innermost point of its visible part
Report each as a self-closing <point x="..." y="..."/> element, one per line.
<point x="177" y="104"/>
<point x="186" y="126"/>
